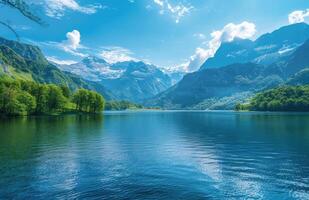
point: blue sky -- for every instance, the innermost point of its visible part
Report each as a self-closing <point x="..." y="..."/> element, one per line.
<point x="175" y="34"/>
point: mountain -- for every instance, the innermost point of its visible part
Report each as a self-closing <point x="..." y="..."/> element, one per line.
<point x="222" y="88"/>
<point x="300" y="78"/>
<point x="131" y="80"/>
<point x="138" y="81"/>
<point x="24" y="61"/>
<point x="267" y="49"/>
<point x="176" y="76"/>
<point x="92" y="68"/>
<point x="214" y="84"/>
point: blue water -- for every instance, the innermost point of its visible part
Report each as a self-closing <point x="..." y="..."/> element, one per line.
<point x="156" y="155"/>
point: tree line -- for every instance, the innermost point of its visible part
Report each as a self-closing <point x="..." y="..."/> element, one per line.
<point x="19" y="97"/>
<point x="122" y="105"/>
<point x="286" y="98"/>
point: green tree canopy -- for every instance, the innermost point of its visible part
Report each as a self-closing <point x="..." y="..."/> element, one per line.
<point x="18" y="97"/>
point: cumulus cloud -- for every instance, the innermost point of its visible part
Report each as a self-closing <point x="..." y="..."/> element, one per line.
<point x="73" y="40"/>
<point x="116" y="54"/>
<point x="56" y="8"/>
<point x="228" y="33"/>
<point x="178" y="11"/>
<point x="71" y="45"/>
<point x="60" y="62"/>
<point x="298" y="16"/>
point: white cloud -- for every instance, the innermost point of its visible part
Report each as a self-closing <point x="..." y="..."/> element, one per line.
<point x="228" y="33"/>
<point x="56" y="8"/>
<point x="177" y="11"/>
<point x="71" y="45"/>
<point x="116" y="54"/>
<point x="298" y="16"/>
<point x="197" y="59"/>
<point x="60" y="62"/>
<point x="73" y="40"/>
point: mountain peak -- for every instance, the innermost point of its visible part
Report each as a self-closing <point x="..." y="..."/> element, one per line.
<point x="93" y="59"/>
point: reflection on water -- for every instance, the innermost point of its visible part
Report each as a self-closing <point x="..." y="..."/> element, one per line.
<point x="156" y="155"/>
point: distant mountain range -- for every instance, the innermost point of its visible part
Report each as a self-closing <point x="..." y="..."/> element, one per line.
<point x="238" y="70"/>
<point x="130" y="80"/>
<point x="241" y="68"/>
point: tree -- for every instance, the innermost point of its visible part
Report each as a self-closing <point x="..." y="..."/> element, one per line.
<point x="88" y="101"/>
<point x="55" y="99"/>
<point x="80" y="98"/>
<point x="97" y="102"/>
<point x="16" y="102"/>
<point x="27" y="100"/>
<point x="65" y="91"/>
<point x="40" y="93"/>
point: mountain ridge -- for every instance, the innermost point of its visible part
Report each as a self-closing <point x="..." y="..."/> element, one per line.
<point x="266" y="49"/>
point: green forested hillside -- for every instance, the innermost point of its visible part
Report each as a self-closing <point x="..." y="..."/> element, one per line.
<point x="286" y="98"/>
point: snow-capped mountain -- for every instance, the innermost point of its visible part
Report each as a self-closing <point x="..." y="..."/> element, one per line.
<point x="93" y="69"/>
<point x="129" y="80"/>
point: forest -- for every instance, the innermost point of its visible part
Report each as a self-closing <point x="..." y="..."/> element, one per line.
<point x="286" y="98"/>
<point x="19" y="97"/>
<point x="122" y="105"/>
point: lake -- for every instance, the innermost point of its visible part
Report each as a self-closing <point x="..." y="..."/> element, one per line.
<point x="156" y="155"/>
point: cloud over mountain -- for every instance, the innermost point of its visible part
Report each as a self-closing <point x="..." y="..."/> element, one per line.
<point x="116" y="54"/>
<point x="228" y="33"/>
<point x="298" y="16"/>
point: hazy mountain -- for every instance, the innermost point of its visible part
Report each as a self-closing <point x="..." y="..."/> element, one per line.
<point x="129" y="80"/>
<point x="267" y="49"/>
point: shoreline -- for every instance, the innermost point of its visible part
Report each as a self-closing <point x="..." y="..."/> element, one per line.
<point x="152" y="110"/>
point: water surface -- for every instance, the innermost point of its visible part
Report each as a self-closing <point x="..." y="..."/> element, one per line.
<point x="156" y="155"/>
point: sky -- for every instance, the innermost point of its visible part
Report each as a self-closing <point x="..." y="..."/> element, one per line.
<point x="177" y="35"/>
